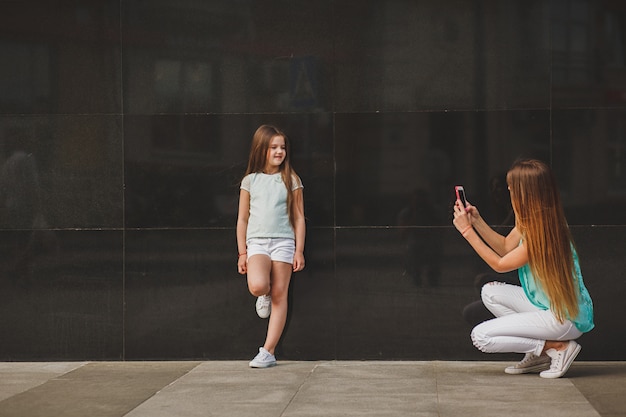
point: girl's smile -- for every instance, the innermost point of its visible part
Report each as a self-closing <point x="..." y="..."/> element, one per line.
<point x="276" y="154"/>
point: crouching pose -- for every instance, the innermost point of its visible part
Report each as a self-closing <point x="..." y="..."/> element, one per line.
<point x="544" y="316"/>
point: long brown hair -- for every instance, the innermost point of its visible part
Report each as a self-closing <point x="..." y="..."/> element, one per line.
<point x="541" y="221"/>
<point x="258" y="160"/>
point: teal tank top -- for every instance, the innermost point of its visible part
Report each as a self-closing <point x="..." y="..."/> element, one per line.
<point x="584" y="320"/>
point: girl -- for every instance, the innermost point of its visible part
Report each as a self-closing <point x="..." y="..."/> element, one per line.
<point x="552" y="308"/>
<point x="270" y="232"/>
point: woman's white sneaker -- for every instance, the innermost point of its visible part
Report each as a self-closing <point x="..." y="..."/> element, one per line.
<point x="530" y="363"/>
<point x="263" y="359"/>
<point x="264" y="306"/>
<point x="561" y="360"/>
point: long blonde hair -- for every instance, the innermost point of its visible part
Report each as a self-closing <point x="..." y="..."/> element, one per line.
<point x="541" y="221"/>
<point x="258" y="160"/>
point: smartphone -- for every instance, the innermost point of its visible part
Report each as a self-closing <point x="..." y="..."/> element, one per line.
<point x="460" y="194"/>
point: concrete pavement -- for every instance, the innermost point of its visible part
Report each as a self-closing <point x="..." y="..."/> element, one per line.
<point x="299" y="388"/>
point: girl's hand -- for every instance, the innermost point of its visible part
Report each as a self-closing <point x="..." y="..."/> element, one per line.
<point x="242" y="264"/>
<point x="298" y="261"/>
<point x="463" y="215"/>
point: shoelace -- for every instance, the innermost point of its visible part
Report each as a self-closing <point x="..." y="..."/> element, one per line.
<point x="557" y="362"/>
<point x="527" y="358"/>
<point x="265" y="356"/>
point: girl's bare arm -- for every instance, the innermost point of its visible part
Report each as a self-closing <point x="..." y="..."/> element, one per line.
<point x="299" y="230"/>
<point x="242" y="227"/>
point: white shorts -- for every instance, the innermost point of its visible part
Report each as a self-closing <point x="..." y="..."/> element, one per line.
<point x="278" y="249"/>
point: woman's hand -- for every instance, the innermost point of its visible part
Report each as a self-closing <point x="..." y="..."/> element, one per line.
<point x="463" y="216"/>
<point x="473" y="212"/>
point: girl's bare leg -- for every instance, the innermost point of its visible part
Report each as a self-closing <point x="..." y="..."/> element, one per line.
<point x="280" y="277"/>
<point x="259" y="272"/>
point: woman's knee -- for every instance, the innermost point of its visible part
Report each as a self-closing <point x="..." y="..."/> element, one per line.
<point x="479" y="339"/>
<point x="489" y="291"/>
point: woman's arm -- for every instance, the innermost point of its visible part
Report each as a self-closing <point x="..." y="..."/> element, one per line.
<point x="512" y="260"/>
<point x="299" y="230"/>
<point x="242" y="227"/>
<point x="499" y="243"/>
<point x="501" y="253"/>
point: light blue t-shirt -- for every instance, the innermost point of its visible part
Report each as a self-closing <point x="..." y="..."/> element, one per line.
<point x="584" y="320"/>
<point x="268" y="206"/>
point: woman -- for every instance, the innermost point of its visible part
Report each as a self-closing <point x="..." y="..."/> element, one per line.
<point x="552" y="308"/>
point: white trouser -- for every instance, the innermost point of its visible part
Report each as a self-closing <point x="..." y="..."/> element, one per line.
<point x="519" y="326"/>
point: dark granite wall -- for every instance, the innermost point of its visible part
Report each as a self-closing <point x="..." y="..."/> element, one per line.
<point x="125" y="128"/>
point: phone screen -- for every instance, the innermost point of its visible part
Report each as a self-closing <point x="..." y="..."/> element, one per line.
<point x="460" y="194"/>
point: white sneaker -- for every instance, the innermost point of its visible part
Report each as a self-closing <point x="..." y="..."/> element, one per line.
<point x="264" y="306"/>
<point x="530" y="363"/>
<point x="561" y="360"/>
<point x="263" y="359"/>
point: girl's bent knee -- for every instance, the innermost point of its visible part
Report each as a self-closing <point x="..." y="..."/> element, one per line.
<point x="258" y="289"/>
